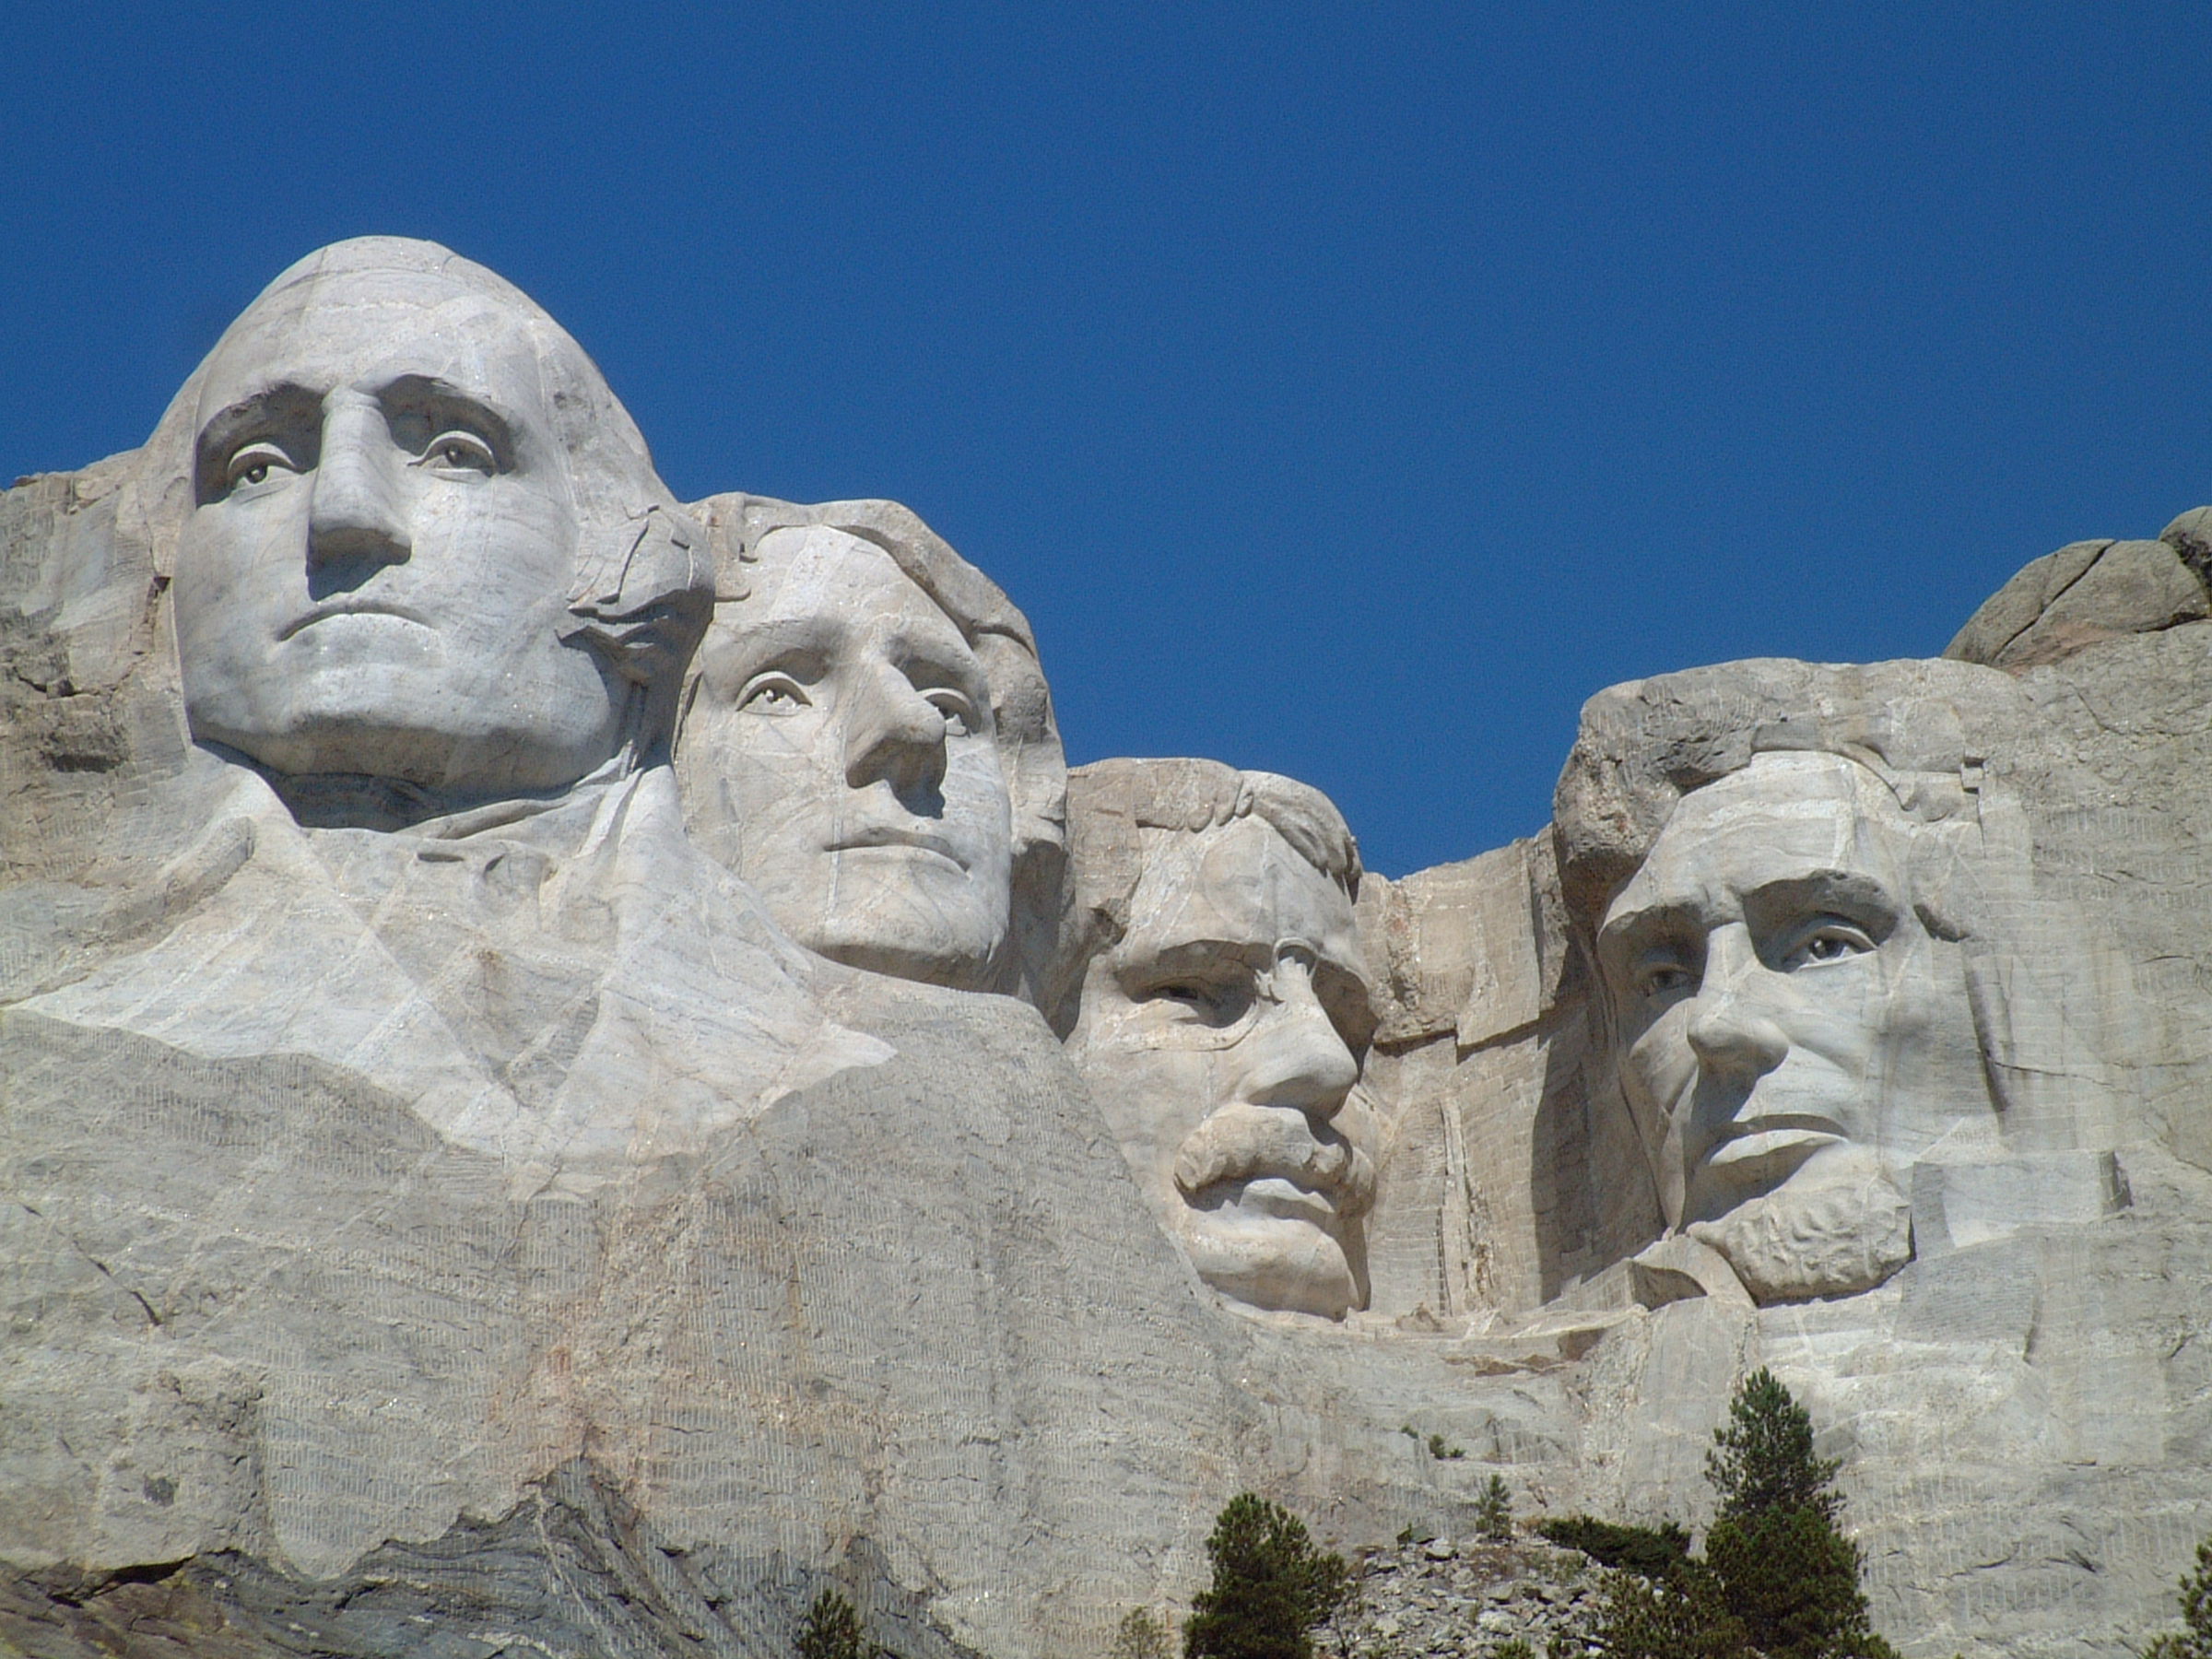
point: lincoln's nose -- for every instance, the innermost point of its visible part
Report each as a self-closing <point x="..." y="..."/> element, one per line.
<point x="1731" y="1031"/>
<point x="358" y="523"/>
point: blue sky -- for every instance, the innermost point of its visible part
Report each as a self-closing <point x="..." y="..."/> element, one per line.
<point x="1348" y="391"/>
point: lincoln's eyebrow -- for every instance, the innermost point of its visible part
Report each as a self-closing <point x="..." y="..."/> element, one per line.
<point x="1630" y="929"/>
<point x="1850" y="893"/>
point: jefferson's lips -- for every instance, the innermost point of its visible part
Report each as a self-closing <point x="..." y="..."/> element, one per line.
<point x="350" y="608"/>
<point x="921" y="840"/>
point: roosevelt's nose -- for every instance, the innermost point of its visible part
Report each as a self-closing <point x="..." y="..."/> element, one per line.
<point x="356" y="521"/>
<point x="1294" y="1055"/>
<point x="894" y="735"/>
<point x="1732" y="1028"/>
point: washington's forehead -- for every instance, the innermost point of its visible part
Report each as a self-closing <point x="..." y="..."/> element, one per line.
<point x="321" y="335"/>
<point x="1240" y="881"/>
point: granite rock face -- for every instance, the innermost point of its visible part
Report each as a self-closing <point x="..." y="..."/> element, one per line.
<point x="574" y="1069"/>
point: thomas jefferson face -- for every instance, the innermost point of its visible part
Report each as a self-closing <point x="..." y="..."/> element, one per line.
<point x="1222" y="1038"/>
<point x="1790" y="1028"/>
<point x="375" y="575"/>
<point x="840" y="755"/>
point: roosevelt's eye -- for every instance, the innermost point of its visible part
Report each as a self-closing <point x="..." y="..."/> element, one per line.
<point x="254" y="463"/>
<point x="460" y="451"/>
<point x="773" y="693"/>
<point x="1211" y="1002"/>
<point x="961" y="717"/>
<point x="1830" y="939"/>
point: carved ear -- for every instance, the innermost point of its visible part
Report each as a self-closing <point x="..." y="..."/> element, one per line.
<point x="644" y="592"/>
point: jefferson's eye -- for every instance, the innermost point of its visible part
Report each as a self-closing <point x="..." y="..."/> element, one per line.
<point x="773" y="693"/>
<point x="961" y="717"/>
<point x="1828" y="941"/>
<point x="253" y="465"/>
<point x="1664" y="979"/>
<point x="460" y="451"/>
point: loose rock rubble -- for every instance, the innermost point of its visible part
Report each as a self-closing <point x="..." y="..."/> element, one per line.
<point x="1438" y="1596"/>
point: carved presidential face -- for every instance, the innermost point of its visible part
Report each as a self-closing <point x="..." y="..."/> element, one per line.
<point x="1221" y="1037"/>
<point x="839" y="754"/>
<point x="1791" y="1033"/>
<point x="374" y="577"/>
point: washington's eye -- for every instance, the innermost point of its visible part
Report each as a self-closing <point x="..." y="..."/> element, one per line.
<point x="961" y="717"/>
<point x="460" y="451"/>
<point x="773" y="693"/>
<point x="253" y="465"/>
<point x="1827" y="941"/>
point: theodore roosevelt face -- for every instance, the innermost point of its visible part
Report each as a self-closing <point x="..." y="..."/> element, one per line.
<point x="375" y="575"/>
<point x="1222" y="1037"/>
<point x="840" y="755"/>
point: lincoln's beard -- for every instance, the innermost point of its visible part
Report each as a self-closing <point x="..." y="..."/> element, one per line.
<point x="1824" y="1232"/>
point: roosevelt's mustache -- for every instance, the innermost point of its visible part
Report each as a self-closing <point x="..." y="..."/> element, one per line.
<point x="1248" y="1143"/>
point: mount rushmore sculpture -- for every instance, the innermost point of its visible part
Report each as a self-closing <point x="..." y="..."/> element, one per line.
<point x="578" y="1065"/>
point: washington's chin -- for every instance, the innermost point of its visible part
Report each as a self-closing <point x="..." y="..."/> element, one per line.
<point x="411" y="742"/>
<point x="1277" y="1263"/>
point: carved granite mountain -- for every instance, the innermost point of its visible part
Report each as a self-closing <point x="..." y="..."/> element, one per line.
<point x="533" y="1112"/>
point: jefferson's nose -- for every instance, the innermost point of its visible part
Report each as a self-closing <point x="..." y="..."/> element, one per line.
<point x="1294" y="1056"/>
<point x="357" y="521"/>
<point x="895" y="734"/>
<point x="1731" y="1031"/>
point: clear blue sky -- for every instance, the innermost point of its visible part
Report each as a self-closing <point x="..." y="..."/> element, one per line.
<point x="1345" y="390"/>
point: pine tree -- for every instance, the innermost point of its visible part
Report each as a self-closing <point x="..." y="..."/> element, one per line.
<point x="1494" y="1511"/>
<point x="831" y="1630"/>
<point x="1681" y="1616"/>
<point x="1142" y="1634"/>
<point x="2196" y="1642"/>
<point x="1781" y="1566"/>
<point x="1272" y="1586"/>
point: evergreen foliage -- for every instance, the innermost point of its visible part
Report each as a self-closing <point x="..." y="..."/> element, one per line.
<point x="831" y="1630"/>
<point x="2196" y="1642"/>
<point x="1272" y="1586"/>
<point x="1494" y="1511"/>
<point x="1763" y="1460"/>
<point x="1142" y="1634"/>
<point x="1682" y="1617"/>
<point x="1653" y="1552"/>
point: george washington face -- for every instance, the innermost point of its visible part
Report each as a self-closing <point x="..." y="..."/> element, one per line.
<point x="375" y="575"/>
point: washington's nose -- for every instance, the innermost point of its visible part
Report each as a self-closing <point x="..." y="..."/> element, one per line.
<point x="1731" y="1031"/>
<point x="895" y="734"/>
<point x="1295" y="1055"/>
<point x="356" y="521"/>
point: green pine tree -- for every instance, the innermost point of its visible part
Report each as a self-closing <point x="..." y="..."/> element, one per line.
<point x="1494" y="1511"/>
<point x="1272" y="1586"/>
<point x="1142" y="1634"/>
<point x="831" y="1630"/>
<point x="1679" y="1616"/>
<point x="1780" y="1564"/>
<point x="2196" y="1642"/>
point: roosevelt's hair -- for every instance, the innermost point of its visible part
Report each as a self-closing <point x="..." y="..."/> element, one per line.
<point x="642" y="588"/>
<point x="1111" y="803"/>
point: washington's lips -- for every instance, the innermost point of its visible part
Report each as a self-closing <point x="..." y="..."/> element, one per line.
<point x="892" y="835"/>
<point x="1261" y="1148"/>
<point x="351" y="608"/>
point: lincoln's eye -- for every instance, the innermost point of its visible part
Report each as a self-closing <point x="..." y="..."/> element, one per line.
<point x="1829" y="940"/>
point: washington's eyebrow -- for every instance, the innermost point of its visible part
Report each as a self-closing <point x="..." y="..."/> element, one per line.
<point x="268" y="410"/>
<point x="441" y="400"/>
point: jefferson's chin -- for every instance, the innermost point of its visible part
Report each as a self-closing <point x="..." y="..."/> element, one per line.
<point x="1273" y="1262"/>
<point x="1826" y="1232"/>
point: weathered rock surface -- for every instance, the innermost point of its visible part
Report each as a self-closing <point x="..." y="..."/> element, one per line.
<point x="483" y="1202"/>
